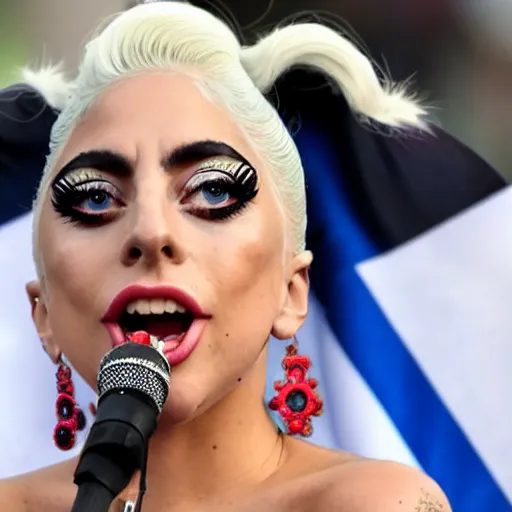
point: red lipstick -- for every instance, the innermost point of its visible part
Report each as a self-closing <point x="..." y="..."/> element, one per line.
<point x="176" y="349"/>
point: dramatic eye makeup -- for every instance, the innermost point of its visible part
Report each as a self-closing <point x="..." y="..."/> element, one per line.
<point x="221" y="188"/>
<point x="221" y="185"/>
<point x="82" y="194"/>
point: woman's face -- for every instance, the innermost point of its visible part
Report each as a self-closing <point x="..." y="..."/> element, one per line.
<point x="158" y="187"/>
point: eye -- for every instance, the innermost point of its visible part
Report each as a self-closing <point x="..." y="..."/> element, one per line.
<point x="98" y="201"/>
<point x="90" y="202"/>
<point x="214" y="193"/>
<point x="210" y="190"/>
<point x="218" y="195"/>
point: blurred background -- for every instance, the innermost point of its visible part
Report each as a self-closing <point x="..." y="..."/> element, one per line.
<point x="457" y="53"/>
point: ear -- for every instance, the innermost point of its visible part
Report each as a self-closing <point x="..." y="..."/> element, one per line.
<point x="40" y="319"/>
<point x="295" y="309"/>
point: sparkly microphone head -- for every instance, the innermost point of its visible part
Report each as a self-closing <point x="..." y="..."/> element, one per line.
<point x="134" y="366"/>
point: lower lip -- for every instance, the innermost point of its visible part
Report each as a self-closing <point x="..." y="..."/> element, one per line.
<point x="174" y="354"/>
<point x="179" y="353"/>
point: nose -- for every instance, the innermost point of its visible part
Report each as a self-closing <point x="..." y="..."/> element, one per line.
<point x="153" y="237"/>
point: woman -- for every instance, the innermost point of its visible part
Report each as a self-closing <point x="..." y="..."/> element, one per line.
<point x="172" y="185"/>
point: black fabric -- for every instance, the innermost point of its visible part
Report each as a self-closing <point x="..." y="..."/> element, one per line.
<point x="25" y="122"/>
<point x="402" y="183"/>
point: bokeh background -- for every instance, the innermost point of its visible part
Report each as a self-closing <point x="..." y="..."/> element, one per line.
<point x="457" y="53"/>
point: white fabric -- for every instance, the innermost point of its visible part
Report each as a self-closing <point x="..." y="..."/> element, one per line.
<point x="448" y="294"/>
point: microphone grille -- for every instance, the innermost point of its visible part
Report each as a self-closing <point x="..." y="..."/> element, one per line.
<point x="138" y="367"/>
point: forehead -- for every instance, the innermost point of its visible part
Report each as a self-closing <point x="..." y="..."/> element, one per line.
<point x="153" y="112"/>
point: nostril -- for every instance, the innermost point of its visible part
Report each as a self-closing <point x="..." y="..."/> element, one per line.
<point x="135" y="253"/>
<point x="148" y="252"/>
<point x="167" y="251"/>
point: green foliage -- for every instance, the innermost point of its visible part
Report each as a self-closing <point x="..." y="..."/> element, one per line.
<point x="12" y="48"/>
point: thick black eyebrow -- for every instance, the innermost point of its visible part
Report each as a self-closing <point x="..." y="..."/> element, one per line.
<point x="200" y="150"/>
<point x="101" y="160"/>
<point x="118" y="165"/>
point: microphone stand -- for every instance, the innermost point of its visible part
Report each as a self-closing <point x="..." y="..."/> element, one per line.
<point x="115" y="449"/>
<point x="92" y="496"/>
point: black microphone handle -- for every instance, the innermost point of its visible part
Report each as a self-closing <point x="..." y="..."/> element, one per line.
<point x="92" y="496"/>
<point x="115" y="448"/>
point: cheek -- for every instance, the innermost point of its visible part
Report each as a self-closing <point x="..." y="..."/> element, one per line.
<point x="246" y="270"/>
<point x="72" y="268"/>
<point x="71" y="265"/>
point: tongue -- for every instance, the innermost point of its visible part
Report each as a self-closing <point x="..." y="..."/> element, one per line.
<point x="167" y="330"/>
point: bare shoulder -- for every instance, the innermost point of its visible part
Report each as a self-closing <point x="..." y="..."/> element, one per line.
<point x="343" y="482"/>
<point x="47" y="489"/>
<point x="368" y="485"/>
<point x="11" y="496"/>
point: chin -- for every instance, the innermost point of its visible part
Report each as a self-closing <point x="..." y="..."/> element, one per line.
<point x="191" y="397"/>
<point x="185" y="401"/>
<point x="179" y="410"/>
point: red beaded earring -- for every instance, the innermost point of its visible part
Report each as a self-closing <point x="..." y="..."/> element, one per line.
<point x="69" y="416"/>
<point x="296" y="400"/>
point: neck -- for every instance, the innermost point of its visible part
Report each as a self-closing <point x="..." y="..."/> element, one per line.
<point x="229" y="449"/>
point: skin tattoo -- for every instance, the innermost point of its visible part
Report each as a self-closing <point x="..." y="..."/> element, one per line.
<point x="428" y="504"/>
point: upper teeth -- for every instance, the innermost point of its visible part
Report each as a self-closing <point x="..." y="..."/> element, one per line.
<point x="154" y="306"/>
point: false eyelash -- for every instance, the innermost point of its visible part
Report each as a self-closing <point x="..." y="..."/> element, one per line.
<point x="246" y="176"/>
<point x="67" y="195"/>
<point x="243" y="175"/>
<point x="224" y="213"/>
<point x="243" y="189"/>
<point x="237" y="189"/>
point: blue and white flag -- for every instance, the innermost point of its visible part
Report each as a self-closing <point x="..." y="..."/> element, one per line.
<point x="409" y="322"/>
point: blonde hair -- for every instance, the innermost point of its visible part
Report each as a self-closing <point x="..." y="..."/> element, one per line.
<point x="177" y="37"/>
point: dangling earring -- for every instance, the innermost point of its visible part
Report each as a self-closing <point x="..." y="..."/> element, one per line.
<point x="70" y="418"/>
<point x="296" y="400"/>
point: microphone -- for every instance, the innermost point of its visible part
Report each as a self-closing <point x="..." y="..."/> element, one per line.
<point x="133" y="383"/>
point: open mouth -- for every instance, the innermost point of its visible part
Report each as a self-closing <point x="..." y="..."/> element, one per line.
<point x="166" y="313"/>
<point x="163" y="318"/>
